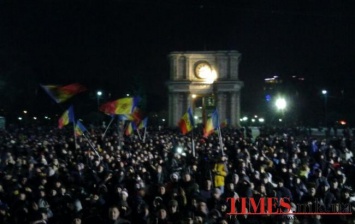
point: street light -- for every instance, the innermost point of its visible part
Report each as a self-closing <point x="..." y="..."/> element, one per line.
<point x="325" y="92"/>
<point x="281" y="105"/>
<point x="98" y="94"/>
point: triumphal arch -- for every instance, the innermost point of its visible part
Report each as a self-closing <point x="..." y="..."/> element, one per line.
<point x="204" y="81"/>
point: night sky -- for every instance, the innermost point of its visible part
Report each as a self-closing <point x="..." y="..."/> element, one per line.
<point x="122" y="46"/>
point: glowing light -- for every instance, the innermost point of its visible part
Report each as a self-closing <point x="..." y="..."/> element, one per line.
<point x="34" y="118"/>
<point x="179" y="150"/>
<point x="211" y="77"/>
<point x="324" y="92"/>
<point x="281" y="103"/>
<point x="253" y="120"/>
<point x="195" y="117"/>
<point x="99" y="93"/>
<point x="193" y="96"/>
<point x="245" y="118"/>
<point x="25" y="111"/>
<point x="342" y="122"/>
<point x="261" y="120"/>
<point x="20" y="118"/>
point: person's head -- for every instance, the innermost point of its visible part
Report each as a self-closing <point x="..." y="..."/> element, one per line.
<point x="216" y="193"/>
<point x="22" y="196"/>
<point x="261" y="188"/>
<point x="198" y="220"/>
<point x="235" y="178"/>
<point x="63" y="190"/>
<point x="113" y="213"/>
<point x="280" y="183"/>
<point x="186" y="177"/>
<point x="257" y="175"/>
<point x="265" y="178"/>
<point x="173" y="206"/>
<point x="162" y="214"/>
<point x="208" y="184"/>
<point x="230" y="186"/>
<point x="124" y="194"/>
<point x="202" y="207"/>
<point x="346" y="194"/>
<point x="312" y="189"/>
<point x="174" y="177"/>
<point x="298" y="179"/>
<point x="161" y="189"/>
<point x="76" y="221"/>
<point x="324" y="186"/>
<point x="318" y="172"/>
<point x="158" y="201"/>
<point x="334" y="183"/>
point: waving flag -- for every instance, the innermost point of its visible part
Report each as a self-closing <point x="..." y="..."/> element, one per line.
<point x="61" y="94"/>
<point x="143" y="123"/>
<point x="135" y="116"/>
<point x="224" y="123"/>
<point x="67" y="116"/>
<point x="211" y="124"/>
<point x="125" y="117"/>
<point x="120" y="106"/>
<point x="186" y="122"/>
<point x="79" y="128"/>
<point x="130" y="128"/>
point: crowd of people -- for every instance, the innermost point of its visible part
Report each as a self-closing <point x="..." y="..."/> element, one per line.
<point x="48" y="176"/>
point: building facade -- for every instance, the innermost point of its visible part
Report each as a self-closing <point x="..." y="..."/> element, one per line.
<point x="204" y="80"/>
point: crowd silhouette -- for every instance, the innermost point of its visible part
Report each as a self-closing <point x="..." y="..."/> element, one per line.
<point x="46" y="178"/>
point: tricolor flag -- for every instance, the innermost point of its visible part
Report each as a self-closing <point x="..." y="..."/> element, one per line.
<point x="120" y="106"/>
<point x="67" y="116"/>
<point x="143" y="123"/>
<point x="125" y="117"/>
<point x="186" y="122"/>
<point x="61" y="94"/>
<point x="130" y="128"/>
<point x="211" y="125"/>
<point x="224" y="123"/>
<point x="135" y="116"/>
<point x="79" y="128"/>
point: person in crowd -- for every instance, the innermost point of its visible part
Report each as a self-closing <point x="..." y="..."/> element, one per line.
<point x="114" y="216"/>
<point x="220" y="171"/>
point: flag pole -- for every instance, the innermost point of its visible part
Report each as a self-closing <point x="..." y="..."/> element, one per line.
<point x="103" y="135"/>
<point x="220" y="135"/>
<point x="220" y="139"/>
<point x="145" y="131"/>
<point x="93" y="147"/>
<point x="74" y="134"/>
<point x="74" y="127"/>
<point x="139" y="134"/>
<point x="193" y="143"/>
<point x="192" y="137"/>
<point x="119" y="132"/>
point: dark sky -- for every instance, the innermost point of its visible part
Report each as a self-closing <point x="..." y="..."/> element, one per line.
<point x="121" y="46"/>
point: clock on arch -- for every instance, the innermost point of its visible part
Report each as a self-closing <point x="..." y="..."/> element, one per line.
<point x="203" y="70"/>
